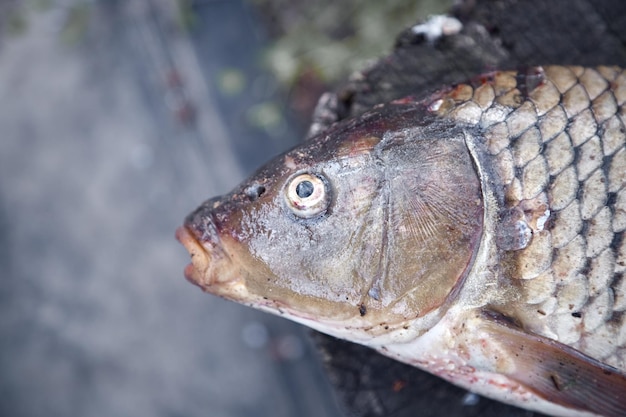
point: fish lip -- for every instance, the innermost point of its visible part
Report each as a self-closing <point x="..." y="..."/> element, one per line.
<point x="211" y="267"/>
<point x="196" y="271"/>
<point x="200" y="236"/>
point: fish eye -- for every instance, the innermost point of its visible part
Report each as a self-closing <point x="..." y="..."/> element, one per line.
<point x="307" y="195"/>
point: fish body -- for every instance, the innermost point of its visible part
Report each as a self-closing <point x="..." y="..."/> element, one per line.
<point x="476" y="233"/>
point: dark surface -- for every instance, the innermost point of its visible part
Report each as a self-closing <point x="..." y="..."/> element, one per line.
<point x="496" y="34"/>
<point x="371" y="385"/>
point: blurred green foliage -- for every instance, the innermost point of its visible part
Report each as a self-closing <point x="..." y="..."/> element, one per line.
<point x="76" y="22"/>
<point x="16" y="22"/>
<point x="71" y="17"/>
<point x="332" y="38"/>
<point x="186" y="17"/>
<point x="231" y="81"/>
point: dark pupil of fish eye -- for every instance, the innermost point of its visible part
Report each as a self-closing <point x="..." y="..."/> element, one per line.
<point x="304" y="189"/>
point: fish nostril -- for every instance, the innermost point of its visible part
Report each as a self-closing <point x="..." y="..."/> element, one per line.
<point x="254" y="191"/>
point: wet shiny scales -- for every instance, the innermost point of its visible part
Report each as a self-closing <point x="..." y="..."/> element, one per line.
<point x="476" y="233"/>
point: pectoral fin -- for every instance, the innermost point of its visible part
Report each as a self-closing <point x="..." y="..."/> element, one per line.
<point x="559" y="373"/>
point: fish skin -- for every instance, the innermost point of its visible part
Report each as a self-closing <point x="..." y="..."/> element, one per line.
<point x="508" y="194"/>
<point x="562" y="164"/>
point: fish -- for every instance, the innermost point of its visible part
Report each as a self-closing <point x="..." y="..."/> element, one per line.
<point x="475" y="232"/>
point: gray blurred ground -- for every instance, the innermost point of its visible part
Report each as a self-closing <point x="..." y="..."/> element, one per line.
<point x="112" y="130"/>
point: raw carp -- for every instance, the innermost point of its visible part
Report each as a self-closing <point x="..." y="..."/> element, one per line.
<point x="476" y="233"/>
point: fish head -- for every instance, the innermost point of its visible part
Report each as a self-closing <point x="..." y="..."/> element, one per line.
<point x="345" y="229"/>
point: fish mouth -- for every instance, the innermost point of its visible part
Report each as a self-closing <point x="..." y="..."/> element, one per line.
<point x="210" y="266"/>
<point x="198" y="270"/>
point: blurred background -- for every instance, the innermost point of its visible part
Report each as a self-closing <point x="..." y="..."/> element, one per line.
<point x="117" y="118"/>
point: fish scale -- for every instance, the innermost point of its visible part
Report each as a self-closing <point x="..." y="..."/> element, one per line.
<point x="562" y="148"/>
